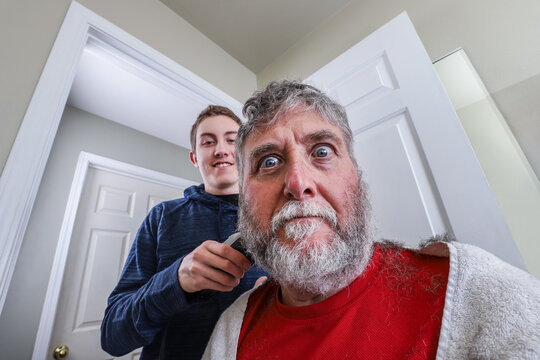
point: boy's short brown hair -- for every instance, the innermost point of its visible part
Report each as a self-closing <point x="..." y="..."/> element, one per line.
<point x="211" y="110"/>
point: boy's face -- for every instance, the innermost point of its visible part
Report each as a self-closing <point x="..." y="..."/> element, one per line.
<point x="214" y="154"/>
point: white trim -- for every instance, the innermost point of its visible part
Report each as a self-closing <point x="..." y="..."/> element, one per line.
<point x="24" y="168"/>
<point x="86" y="160"/>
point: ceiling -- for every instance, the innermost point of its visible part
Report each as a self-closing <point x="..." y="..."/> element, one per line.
<point x="256" y="32"/>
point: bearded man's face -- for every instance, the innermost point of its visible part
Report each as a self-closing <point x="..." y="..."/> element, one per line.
<point x="303" y="212"/>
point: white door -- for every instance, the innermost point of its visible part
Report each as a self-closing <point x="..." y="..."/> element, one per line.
<point x="423" y="176"/>
<point x="111" y="209"/>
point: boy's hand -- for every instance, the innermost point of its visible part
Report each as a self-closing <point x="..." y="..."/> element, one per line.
<point x="212" y="265"/>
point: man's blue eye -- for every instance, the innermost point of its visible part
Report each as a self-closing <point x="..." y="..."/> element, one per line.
<point x="323" y="151"/>
<point x="269" y="162"/>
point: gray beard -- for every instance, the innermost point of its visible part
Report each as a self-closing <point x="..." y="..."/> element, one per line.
<point x="313" y="267"/>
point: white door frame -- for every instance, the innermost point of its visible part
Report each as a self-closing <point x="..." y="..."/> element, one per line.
<point x="86" y="160"/>
<point x="24" y="168"/>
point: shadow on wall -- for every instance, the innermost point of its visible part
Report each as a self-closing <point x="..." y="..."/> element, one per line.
<point x="508" y="171"/>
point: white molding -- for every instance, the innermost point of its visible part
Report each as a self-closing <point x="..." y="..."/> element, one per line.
<point x="24" y="168"/>
<point x="86" y="160"/>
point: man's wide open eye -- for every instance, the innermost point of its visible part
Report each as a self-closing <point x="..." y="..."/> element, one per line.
<point x="269" y="162"/>
<point x="322" y="151"/>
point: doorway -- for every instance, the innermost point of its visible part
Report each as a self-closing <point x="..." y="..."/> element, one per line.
<point x="109" y="202"/>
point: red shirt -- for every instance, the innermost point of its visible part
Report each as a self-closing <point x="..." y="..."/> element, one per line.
<point x="392" y="311"/>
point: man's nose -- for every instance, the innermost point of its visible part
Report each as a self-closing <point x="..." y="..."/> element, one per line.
<point x="299" y="180"/>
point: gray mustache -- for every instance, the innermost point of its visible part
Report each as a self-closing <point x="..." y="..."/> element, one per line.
<point x="297" y="209"/>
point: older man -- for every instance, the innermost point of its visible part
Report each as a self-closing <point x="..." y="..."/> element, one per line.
<point x="335" y="293"/>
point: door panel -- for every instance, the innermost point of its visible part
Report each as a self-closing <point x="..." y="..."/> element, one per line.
<point x="111" y="209"/>
<point x="411" y="198"/>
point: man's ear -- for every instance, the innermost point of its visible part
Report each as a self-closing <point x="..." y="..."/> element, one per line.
<point x="193" y="159"/>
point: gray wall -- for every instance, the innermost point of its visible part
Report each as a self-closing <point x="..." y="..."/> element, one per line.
<point x="78" y="131"/>
<point x="28" y="29"/>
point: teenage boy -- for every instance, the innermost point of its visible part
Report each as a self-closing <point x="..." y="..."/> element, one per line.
<point x="178" y="252"/>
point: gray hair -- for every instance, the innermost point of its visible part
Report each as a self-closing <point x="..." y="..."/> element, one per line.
<point x="266" y="106"/>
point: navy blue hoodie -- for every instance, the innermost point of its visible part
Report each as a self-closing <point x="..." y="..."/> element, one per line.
<point x="148" y="307"/>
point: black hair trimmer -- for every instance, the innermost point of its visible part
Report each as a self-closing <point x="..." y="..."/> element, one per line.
<point x="236" y="242"/>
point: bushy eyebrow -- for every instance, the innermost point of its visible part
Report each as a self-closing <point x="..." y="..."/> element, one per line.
<point x="323" y="135"/>
<point x="261" y="150"/>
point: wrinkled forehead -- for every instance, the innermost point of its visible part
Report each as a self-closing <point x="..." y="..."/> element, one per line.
<point x="301" y="128"/>
<point x="285" y="121"/>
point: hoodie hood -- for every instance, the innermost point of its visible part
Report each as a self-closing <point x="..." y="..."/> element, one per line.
<point x="197" y="193"/>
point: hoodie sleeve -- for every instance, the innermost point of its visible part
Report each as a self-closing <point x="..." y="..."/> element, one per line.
<point x="143" y="301"/>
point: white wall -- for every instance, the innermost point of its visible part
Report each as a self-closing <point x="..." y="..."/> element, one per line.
<point x="511" y="178"/>
<point x="519" y="105"/>
<point x="78" y="131"/>
<point x="28" y="29"/>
